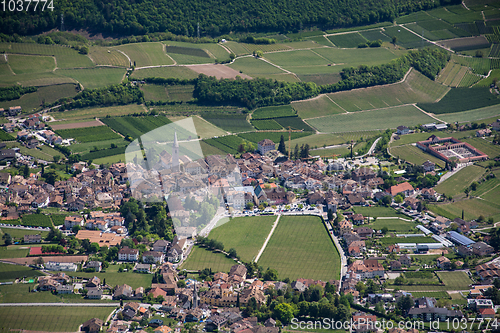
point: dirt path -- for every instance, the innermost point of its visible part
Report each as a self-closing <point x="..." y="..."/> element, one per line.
<point x="267" y="239"/>
<point x="429" y="114"/>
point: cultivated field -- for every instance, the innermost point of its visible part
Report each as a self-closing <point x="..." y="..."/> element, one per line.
<point x="317" y="107"/>
<point x="415" y="155"/>
<point x="219" y="71"/>
<point x="200" y="258"/>
<point x="179" y="72"/>
<point x="89" y="134"/>
<point x="485" y="146"/>
<point x="301" y="248"/>
<point x="205" y="129"/>
<point x="274" y="136"/>
<point x="390" y="117"/>
<point x="146" y="54"/>
<point x="459" y="181"/>
<point x="230" y="122"/>
<point x="92" y="78"/>
<point x="47" y="95"/>
<point x="9" y="272"/>
<point x="25" y="64"/>
<point x="455" y="280"/>
<point x="472" y="115"/>
<point x="135" y="126"/>
<point x="377" y="211"/>
<point x="13" y="251"/>
<point x="395" y="225"/>
<point x="172" y="93"/>
<point x="49" y="319"/>
<point x="107" y="56"/>
<point x="92" y="123"/>
<point x="415" y="89"/>
<point x="245" y="234"/>
<point x="350" y="40"/>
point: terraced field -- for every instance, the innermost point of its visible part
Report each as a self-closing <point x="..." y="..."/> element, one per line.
<point x="390" y="117"/>
<point x="146" y="54"/>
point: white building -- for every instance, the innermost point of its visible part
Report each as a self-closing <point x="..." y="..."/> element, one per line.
<point x="265" y="146"/>
<point x="61" y="266"/>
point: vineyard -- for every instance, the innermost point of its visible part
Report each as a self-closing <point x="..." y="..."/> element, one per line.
<point x="4" y="136"/>
<point x="135" y="126"/>
<point x="266" y="124"/>
<point x="495" y="51"/>
<point x="469" y="79"/>
<point x="273" y="136"/>
<point x="478" y="65"/>
<point x="273" y="112"/>
<point x="462" y="99"/>
<point x="88" y="134"/>
<point x="104" y="153"/>
<point x="187" y="51"/>
<point x="228" y="144"/>
<point x="294" y="122"/>
<point x="347" y="40"/>
<point x="36" y="220"/>
<point x="233" y="122"/>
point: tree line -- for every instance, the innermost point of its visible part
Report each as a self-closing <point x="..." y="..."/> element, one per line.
<point x="214" y="17"/>
<point x="15" y="92"/>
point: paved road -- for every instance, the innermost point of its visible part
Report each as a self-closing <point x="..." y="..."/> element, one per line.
<point x="63" y="304"/>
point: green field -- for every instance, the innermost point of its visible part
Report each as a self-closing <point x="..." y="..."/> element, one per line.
<point x="301" y="248"/>
<point x="377" y="212"/>
<point x="272" y="112"/>
<point x="347" y="40"/>
<point x="65" y="56"/>
<point x="435" y="294"/>
<point x="135" y="126"/>
<point x="18" y="234"/>
<point x="92" y="113"/>
<point x="395" y="225"/>
<point x="201" y="258"/>
<point x="25" y="64"/>
<point x="49" y="319"/>
<point x="13" y="251"/>
<point x="44" y="154"/>
<point x="9" y="272"/>
<point x="92" y="78"/>
<point x="146" y="54"/>
<point x="472" y="115"/>
<point x="415" y="89"/>
<point x="266" y="124"/>
<point x="89" y="134"/>
<point x="415" y="155"/>
<point x="255" y="67"/>
<point x="320" y="140"/>
<point x="245" y="234"/>
<point x="274" y="136"/>
<point x="317" y="107"/>
<point x="404" y="37"/>
<point x="83" y="148"/>
<point x="36" y="220"/>
<point x="179" y="72"/>
<point x="462" y="99"/>
<point x="485" y="146"/>
<point x="107" y="56"/>
<point x="229" y="122"/>
<point x="386" y="241"/>
<point x="205" y="129"/>
<point x="48" y="94"/>
<point x="459" y="181"/>
<point x="455" y="280"/>
<point x="390" y="117"/>
<point x="167" y="93"/>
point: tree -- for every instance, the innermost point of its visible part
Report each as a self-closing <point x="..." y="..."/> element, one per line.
<point x="94" y="247"/>
<point x="384" y="230"/>
<point x="398" y="199"/>
<point x="394" y="40"/>
<point x="232" y="253"/>
<point x="39" y="261"/>
<point x="26" y="171"/>
<point x="249" y="205"/>
<point x="284" y="312"/>
<point x="282" y="146"/>
<point x="181" y="284"/>
<point x="330" y="215"/>
<point x="405" y="303"/>
<point x="270" y="275"/>
<point x="7" y="238"/>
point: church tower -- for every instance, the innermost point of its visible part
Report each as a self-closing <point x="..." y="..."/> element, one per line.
<point x="175" y="154"/>
<point x="195" y="297"/>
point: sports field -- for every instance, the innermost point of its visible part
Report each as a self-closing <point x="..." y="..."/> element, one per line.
<point x="301" y="248"/>
<point x="49" y="319"/>
<point x="245" y="234"/>
<point x="459" y="181"/>
<point x="201" y="258"/>
<point x="390" y="117"/>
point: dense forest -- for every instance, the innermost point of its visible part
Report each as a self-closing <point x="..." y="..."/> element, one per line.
<point x="215" y="17"/>
<point x="262" y="92"/>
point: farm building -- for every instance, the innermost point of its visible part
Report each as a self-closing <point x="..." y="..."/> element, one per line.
<point x="459" y="239"/>
<point x="446" y="148"/>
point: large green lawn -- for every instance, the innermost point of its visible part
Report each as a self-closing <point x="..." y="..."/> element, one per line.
<point x="395" y="225"/>
<point x="201" y="258"/>
<point x="245" y="234"/>
<point x="301" y="248"/>
<point x="49" y="319"/>
<point x="459" y="181"/>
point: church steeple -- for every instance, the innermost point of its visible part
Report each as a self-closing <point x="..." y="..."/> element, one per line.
<point x="175" y="154"/>
<point x="195" y="297"/>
